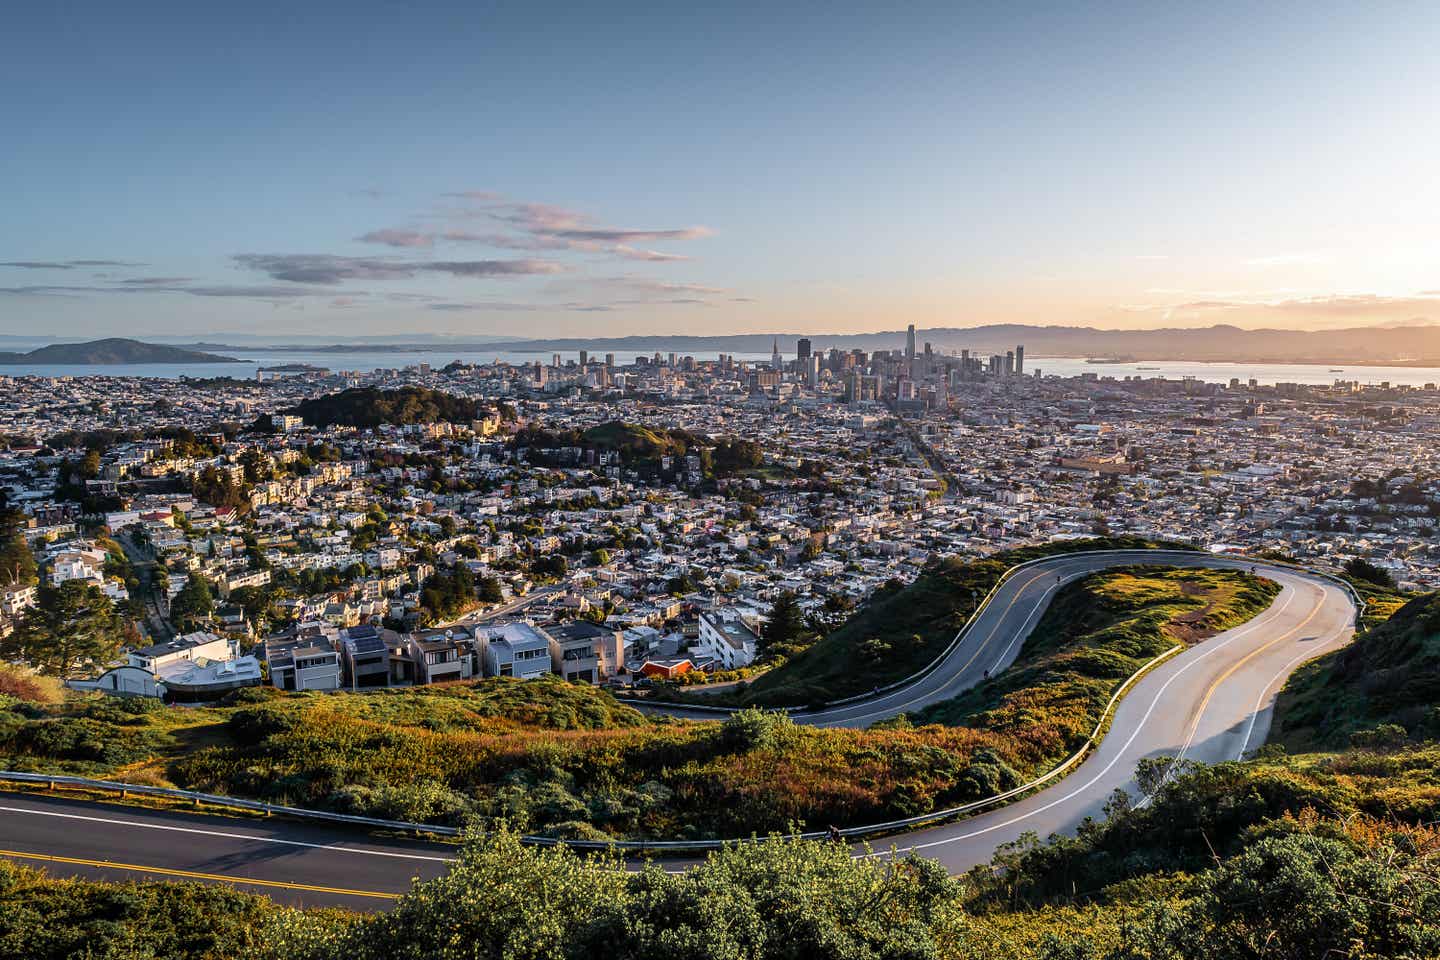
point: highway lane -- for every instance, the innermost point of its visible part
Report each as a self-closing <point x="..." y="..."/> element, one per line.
<point x="996" y="638"/>
<point x="295" y="863"/>
<point x="1211" y="702"/>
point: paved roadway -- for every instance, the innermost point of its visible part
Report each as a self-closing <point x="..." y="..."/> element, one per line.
<point x="1210" y="703"/>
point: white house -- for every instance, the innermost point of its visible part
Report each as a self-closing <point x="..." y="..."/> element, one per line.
<point x="726" y="639"/>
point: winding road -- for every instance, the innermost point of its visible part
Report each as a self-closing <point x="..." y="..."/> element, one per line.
<point x="1209" y="703"/>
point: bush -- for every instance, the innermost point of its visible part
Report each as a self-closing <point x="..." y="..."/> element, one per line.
<point x="754" y="729"/>
<point x="1387" y="736"/>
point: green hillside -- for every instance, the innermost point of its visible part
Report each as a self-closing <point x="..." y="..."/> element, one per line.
<point x="1390" y="675"/>
<point x="899" y="630"/>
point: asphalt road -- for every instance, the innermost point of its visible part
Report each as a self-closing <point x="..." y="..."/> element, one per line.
<point x="1210" y="703"/>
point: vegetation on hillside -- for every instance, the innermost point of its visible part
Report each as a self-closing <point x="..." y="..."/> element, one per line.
<point x="899" y="631"/>
<point x="369" y="407"/>
<point x="1388" y="677"/>
<point x="568" y="760"/>
<point x="1095" y="634"/>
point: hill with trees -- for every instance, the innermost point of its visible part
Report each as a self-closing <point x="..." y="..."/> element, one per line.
<point x="369" y="407"/>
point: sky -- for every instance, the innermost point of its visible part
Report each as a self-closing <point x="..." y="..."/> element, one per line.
<point x="538" y="169"/>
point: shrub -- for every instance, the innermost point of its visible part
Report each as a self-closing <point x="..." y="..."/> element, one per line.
<point x="1387" y="736"/>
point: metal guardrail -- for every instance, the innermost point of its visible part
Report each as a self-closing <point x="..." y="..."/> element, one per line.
<point x="219" y="800"/>
<point x="872" y="829"/>
<point x="891" y="826"/>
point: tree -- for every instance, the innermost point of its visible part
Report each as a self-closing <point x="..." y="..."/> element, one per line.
<point x="1362" y="569"/>
<point x="194" y="603"/>
<point x="72" y="625"/>
<point x="17" y="563"/>
<point x="785" y="625"/>
<point x="218" y="490"/>
<point x="489" y="589"/>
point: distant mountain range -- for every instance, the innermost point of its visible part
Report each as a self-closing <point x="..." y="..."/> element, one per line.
<point x="115" y="350"/>
<point x="1416" y="345"/>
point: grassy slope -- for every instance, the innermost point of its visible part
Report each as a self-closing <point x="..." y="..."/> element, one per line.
<point x="1096" y="633"/>
<point x="1389" y="675"/>
<point x="569" y="760"/>
<point x="917" y="623"/>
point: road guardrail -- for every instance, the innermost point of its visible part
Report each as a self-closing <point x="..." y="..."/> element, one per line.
<point x="867" y="830"/>
<point x="890" y="826"/>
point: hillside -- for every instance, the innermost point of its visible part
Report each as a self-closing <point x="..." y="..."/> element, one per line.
<point x="915" y="623"/>
<point x="1390" y="675"/>
<point x="115" y="350"/>
<point x="634" y="441"/>
<point x="1331" y="855"/>
<point x="568" y="760"/>
<point x="369" y="407"/>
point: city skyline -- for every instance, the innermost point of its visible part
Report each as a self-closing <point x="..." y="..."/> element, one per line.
<point x="280" y="172"/>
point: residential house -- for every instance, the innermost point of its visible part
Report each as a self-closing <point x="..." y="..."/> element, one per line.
<point x="727" y="639"/>
<point x="517" y="649"/>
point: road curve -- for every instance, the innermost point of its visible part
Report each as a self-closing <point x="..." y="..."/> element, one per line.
<point x="1211" y="702"/>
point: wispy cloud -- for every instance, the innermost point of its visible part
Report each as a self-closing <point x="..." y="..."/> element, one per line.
<point x="545" y="226"/>
<point x="398" y="238"/>
<point x="65" y="264"/>
<point x="327" y="269"/>
<point x="256" y="292"/>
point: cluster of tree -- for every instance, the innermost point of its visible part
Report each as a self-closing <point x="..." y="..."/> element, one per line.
<point x="218" y="489"/>
<point x="1362" y="569"/>
<point x="635" y="443"/>
<point x="731" y="456"/>
<point x="194" y="604"/>
<point x="787" y="631"/>
<point x="17" y="562"/>
<point x="449" y="593"/>
<point x="551" y="566"/>
<point x="368" y="407"/>
<point x="72" y="627"/>
<point x="184" y="441"/>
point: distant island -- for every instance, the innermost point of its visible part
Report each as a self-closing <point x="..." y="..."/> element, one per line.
<point x="115" y="350"/>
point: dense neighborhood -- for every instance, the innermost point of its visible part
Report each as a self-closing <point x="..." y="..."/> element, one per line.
<point x="618" y="524"/>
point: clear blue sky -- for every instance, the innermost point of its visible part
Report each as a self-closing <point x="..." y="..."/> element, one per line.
<point x="533" y="169"/>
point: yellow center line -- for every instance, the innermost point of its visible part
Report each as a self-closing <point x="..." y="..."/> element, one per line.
<point x="1215" y="685"/>
<point x="192" y="875"/>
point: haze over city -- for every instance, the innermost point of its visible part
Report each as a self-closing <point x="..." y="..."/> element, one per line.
<point x="571" y="170"/>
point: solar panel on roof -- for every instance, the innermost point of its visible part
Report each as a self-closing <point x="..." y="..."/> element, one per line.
<point x="370" y="644"/>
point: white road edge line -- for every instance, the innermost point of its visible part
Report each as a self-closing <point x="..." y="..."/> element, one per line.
<point x="222" y="833"/>
<point x="1095" y="779"/>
